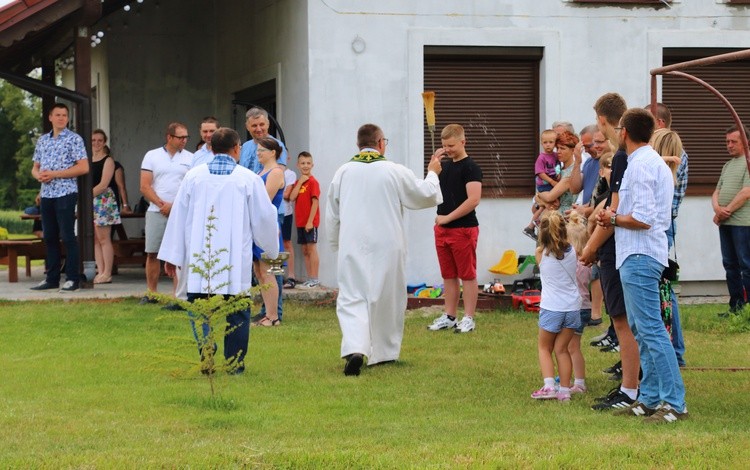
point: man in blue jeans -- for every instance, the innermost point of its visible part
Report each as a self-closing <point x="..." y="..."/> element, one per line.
<point x="640" y="233"/>
<point x="732" y="216"/>
<point x="59" y="158"/>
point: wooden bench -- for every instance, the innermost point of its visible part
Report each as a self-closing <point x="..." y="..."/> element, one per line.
<point x="10" y="250"/>
<point x="130" y="251"/>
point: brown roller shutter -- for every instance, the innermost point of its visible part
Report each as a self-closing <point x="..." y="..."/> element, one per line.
<point x="699" y="117"/>
<point x="494" y="94"/>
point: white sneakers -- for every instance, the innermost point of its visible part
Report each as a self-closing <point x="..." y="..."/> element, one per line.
<point x="465" y="325"/>
<point x="443" y="323"/>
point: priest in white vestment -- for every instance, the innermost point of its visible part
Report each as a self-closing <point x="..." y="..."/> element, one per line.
<point x="365" y="223"/>
<point x="237" y="198"/>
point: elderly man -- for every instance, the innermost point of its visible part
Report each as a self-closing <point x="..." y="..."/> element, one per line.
<point x="59" y="157"/>
<point x="640" y="223"/>
<point x="162" y="171"/>
<point x="365" y="223"/>
<point x="244" y="215"/>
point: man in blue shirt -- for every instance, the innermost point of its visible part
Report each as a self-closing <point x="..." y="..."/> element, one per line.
<point x="59" y="158"/>
<point x="257" y="125"/>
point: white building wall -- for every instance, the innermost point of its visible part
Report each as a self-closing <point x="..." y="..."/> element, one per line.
<point x="589" y="50"/>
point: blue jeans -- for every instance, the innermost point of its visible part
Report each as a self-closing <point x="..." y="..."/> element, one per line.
<point x="678" y="342"/>
<point x="735" y="255"/>
<point x="236" y="336"/>
<point x="662" y="381"/>
<point x="58" y="223"/>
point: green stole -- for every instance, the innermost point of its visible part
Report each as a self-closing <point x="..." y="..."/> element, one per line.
<point x="368" y="157"/>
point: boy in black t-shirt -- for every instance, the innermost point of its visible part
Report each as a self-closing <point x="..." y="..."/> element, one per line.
<point x="457" y="230"/>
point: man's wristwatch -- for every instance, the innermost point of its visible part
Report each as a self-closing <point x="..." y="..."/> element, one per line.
<point x="613" y="220"/>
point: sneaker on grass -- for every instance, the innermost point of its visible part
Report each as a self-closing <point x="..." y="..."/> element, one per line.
<point x="666" y="415"/>
<point x="636" y="409"/>
<point x="616" y="401"/>
<point x="442" y="323"/>
<point x="602" y="342"/>
<point x="609" y="394"/>
<point x="465" y="325"/>
<point x="545" y="393"/>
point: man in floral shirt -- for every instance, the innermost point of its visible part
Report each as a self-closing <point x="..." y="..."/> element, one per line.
<point x="59" y="158"/>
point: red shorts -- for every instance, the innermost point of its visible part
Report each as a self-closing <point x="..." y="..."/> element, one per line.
<point x="457" y="252"/>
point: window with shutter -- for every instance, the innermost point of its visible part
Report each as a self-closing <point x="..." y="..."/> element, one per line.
<point x="699" y="117"/>
<point x="494" y="94"/>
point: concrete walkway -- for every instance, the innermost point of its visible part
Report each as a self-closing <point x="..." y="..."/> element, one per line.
<point x="130" y="282"/>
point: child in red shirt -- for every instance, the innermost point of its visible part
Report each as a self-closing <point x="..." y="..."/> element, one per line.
<point x="306" y="194"/>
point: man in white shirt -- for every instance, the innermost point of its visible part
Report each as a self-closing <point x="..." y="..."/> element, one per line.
<point x="644" y="215"/>
<point x="207" y="129"/>
<point x="162" y="171"/>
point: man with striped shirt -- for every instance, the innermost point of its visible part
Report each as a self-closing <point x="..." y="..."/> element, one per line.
<point x="644" y="214"/>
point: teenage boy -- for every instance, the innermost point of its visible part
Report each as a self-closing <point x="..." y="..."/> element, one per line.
<point x="305" y="196"/>
<point x="457" y="229"/>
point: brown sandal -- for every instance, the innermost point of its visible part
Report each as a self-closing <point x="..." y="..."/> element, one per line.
<point x="265" y="321"/>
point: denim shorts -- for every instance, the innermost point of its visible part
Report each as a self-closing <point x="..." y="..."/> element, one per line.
<point x="595" y="272"/>
<point x="554" y="322"/>
<point x="585" y="318"/>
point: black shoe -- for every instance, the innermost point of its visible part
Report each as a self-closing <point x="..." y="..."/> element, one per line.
<point x="529" y="232"/>
<point x="611" y="348"/>
<point x="616" y="401"/>
<point x="614" y="369"/>
<point x="596" y="322"/>
<point x="604" y="342"/>
<point x="44" y="285"/>
<point x="69" y="286"/>
<point x="173" y="307"/>
<point x="147" y="300"/>
<point x="609" y="394"/>
<point x="353" y="364"/>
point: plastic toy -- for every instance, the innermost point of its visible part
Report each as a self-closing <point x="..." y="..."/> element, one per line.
<point x="495" y="287"/>
<point x="527" y="300"/>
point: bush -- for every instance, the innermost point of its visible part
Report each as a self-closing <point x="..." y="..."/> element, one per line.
<point x="26" y="198"/>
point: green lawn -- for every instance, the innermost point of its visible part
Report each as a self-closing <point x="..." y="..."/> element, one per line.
<point x="107" y="385"/>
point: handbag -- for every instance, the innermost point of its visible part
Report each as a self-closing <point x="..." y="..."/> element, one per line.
<point x="672" y="272"/>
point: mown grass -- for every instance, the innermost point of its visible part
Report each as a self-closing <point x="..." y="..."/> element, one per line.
<point x="108" y="385"/>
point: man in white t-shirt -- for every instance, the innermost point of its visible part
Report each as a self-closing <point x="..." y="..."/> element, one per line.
<point x="204" y="154"/>
<point x="162" y="171"/>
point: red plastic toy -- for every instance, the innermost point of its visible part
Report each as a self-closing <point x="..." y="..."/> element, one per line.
<point x="527" y="300"/>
